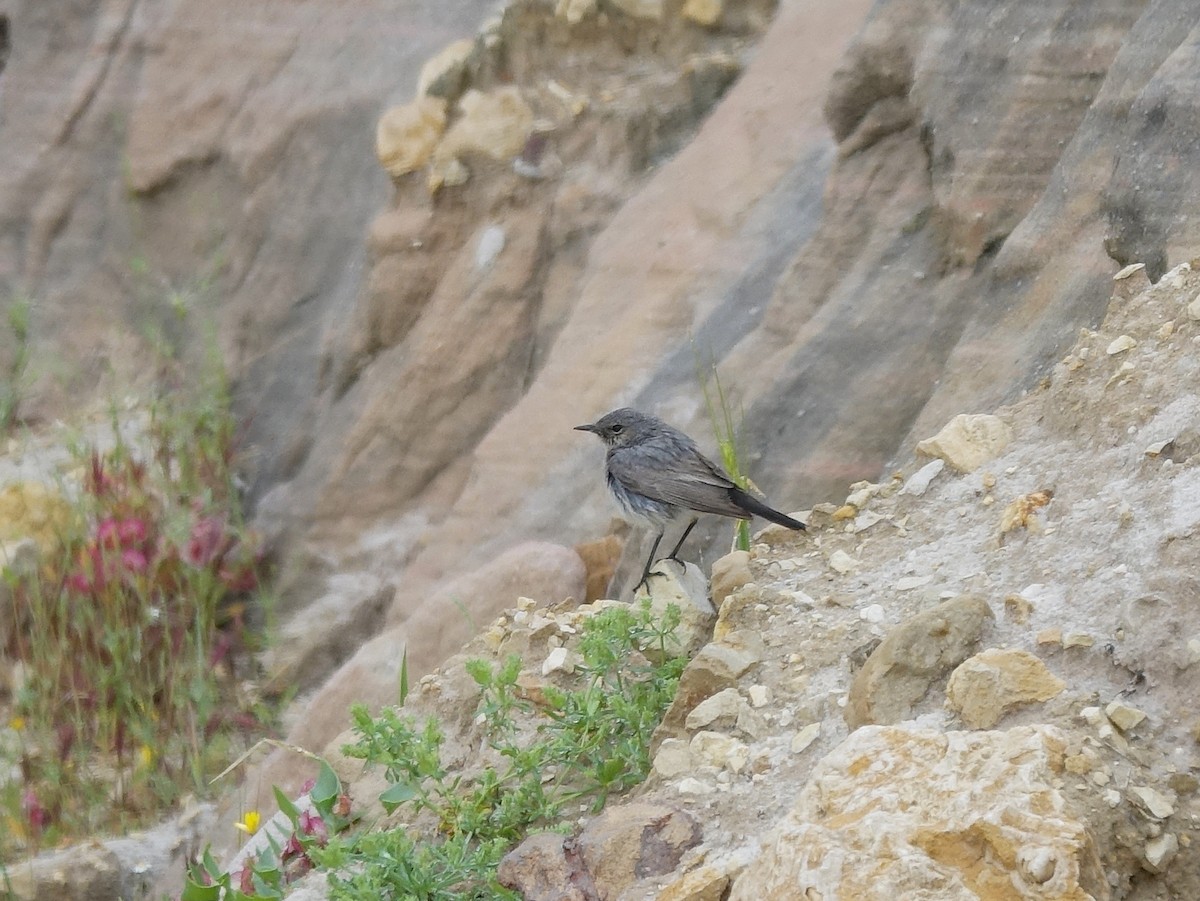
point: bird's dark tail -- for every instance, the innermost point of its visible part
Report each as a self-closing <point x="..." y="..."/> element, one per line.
<point x="751" y="504"/>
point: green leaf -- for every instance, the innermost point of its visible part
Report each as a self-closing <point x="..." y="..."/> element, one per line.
<point x="404" y="676"/>
<point x="398" y="794"/>
<point x="194" y="891"/>
<point x="325" y="790"/>
<point x="290" y="810"/>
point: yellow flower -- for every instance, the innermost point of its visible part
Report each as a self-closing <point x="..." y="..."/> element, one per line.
<point x="249" y="822"/>
<point x="146" y="756"/>
<point x="17" y="724"/>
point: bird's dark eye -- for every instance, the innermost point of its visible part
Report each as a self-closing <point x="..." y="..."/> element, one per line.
<point x="616" y="428"/>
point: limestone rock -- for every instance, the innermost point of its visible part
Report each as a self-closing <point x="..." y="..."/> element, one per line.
<point x="683" y="586"/>
<point x="575" y="11"/>
<point x="642" y="9"/>
<point x="445" y="74"/>
<point x="918" y="483"/>
<point x="406" y="135"/>
<point x="716" y="667"/>
<point x="719" y="750"/>
<point x="968" y="441"/>
<point x="632" y="841"/>
<point x="673" y="758"/>
<point x="901" y="669"/>
<point x="727" y="705"/>
<point x="985" y="687"/>
<point x="494" y="124"/>
<point x="1124" y="716"/>
<point x="708" y="883"/>
<point x="729" y="573"/>
<point x="895" y="813"/>
<point x="703" y="12"/>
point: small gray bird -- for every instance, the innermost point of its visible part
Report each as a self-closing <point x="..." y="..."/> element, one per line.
<point x="656" y="473"/>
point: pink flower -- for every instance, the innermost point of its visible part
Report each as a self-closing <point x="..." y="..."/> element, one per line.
<point x="35" y="813"/>
<point x="131" y="531"/>
<point x="108" y="532"/>
<point x="207" y="541"/>
<point x="134" y="560"/>
<point x="312" y="824"/>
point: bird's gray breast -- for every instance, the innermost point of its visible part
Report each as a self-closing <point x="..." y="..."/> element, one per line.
<point x="638" y="504"/>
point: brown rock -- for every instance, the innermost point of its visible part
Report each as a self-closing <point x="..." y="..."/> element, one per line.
<point x="547" y="867"/>
<point x="406" y="135"/>
<point x="600" y="559"/>
<point x="984" y="688"/>
<point x="636" y="840"/>
<point x="914" y="654"/>
<point x="729" y="573"/>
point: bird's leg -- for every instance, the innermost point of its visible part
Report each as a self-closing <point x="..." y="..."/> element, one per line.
<point x="682" y="539"/>
<point x="645" y="580"/>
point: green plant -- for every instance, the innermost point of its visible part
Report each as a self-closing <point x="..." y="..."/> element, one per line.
<point x="590" y="741"/>
<point x="132" y="634"/>
<point x="13" y="383"/>
<point x="721" y="418"/>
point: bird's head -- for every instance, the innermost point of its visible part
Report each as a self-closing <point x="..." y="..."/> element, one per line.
<point x="622" y="427"/>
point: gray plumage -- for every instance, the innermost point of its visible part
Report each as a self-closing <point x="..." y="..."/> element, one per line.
<point x="656" y="472"/>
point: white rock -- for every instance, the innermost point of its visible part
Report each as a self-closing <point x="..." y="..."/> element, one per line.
<point x="690" y="785"/>
<point x="1093" y="716"/>
<point x="727" y="703"/>
<point x="873" y="613"/>
<point x="1128" y="271"/>
<point x="862" y="496"/>
<point x="1176" y="277"/>
<point x="558" y="660"/>
<point x="575" y="11"/>
<point x="1120" y="344"/>
<point x="1193" y="308"/>
<point x="1154" y="802"/>
<point x="491" y="242"/>
<point x="760" y="695"/>
<point x="865" y="520"/>
<point x="805" y="737"/>
<point x="719" y="750"/>
<point x="842" y="562"/>
<point x="673" y="758"/>
<point x="918" y="483"/>
<point x="1160" y="851"/>
<point x="1193" y="651"/>
<point x="1158" y="447"/>
<point x="908" y="583"/>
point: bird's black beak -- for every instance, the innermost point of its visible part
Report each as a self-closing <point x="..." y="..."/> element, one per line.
<point x="590" y="427"/>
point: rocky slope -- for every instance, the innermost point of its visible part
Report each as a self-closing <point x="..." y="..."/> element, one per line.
<point x="959" y="684"/>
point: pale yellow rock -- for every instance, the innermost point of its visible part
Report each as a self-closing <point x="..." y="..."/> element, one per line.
<point x="1193" y="309"/>
<point x="842" y="562"/>
<point x="719" y="750"/>
<point x="673" y="758"/>
<point x="575" y="11"/>
<point x="1152" y="801"/>
<point x="985" y="687"/>
<point x="705" y="884"/>
<point x="804" y="738"/>
<point x="704" y="12"/>
<point x="895" y="812"/>
<point x="641" y="9"/>
<point x="968" y="441"/>
<point x="406" y="135"/>
<point x="495" y="124"/>
<point x="1124" y="716"/>
<point x="1120" y="344"/>
<point x="32" y="510"/>
<point x="1052" y="635"/>
<point x="1078" y="640"/>
<point x="443" y="75"/>
<point x="1161" y="851"/>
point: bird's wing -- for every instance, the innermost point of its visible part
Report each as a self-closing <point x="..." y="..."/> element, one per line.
<point x="687" y="479"/>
